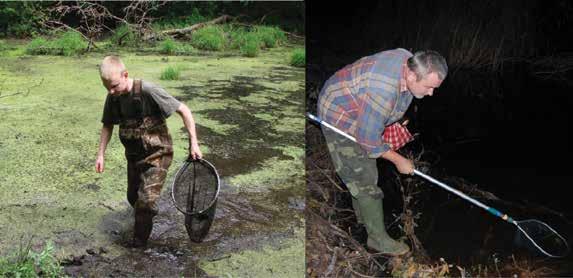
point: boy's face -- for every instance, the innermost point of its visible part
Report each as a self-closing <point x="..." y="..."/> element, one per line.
<point x="117" y="84"/>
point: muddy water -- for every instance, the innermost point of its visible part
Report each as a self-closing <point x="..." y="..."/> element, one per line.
<point x="254" y="139"/>
<point x="243" y="221"/>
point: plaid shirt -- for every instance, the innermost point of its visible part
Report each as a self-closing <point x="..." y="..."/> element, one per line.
<point x="364" y="97"/>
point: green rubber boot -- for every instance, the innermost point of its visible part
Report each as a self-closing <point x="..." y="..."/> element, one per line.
<point x="372" y="214"/>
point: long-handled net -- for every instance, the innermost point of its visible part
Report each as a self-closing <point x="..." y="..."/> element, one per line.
<point x="532" y="233"/>
<point x="195" y="191"/>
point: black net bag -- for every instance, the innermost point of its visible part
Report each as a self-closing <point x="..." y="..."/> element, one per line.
<point x="195" y="191"/>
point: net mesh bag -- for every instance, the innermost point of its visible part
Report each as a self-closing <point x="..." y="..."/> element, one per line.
<point x="538" y="236"/>
<point x="195" y="191"/>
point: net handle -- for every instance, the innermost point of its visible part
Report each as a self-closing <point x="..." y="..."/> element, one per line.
<point x="184" y="166"/>
<point x="457" y="192"/>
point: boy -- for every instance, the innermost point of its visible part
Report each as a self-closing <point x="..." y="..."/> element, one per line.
<point x="140" y="109"/>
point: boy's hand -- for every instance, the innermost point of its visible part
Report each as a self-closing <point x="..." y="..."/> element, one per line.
<point x="195" y="152"/>
<point x="99" y="164"/>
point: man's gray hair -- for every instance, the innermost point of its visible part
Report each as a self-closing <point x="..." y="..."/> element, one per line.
<point x="427" y="61"/>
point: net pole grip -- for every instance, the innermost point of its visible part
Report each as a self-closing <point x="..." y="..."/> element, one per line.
<point x="500" y="214"/>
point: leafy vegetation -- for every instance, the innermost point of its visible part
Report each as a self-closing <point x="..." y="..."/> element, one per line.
<point x="171" y="73"/>
<point x="69" y="43"/>
<point x="27" y="263"/>
<point x="298" y="58"/>
<point x="251" y="45"/>
<point x="209" y="38"/>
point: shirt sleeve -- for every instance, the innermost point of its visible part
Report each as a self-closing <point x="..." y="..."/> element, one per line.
<point x="110" y="113"/>
<point x="167" y="103"/>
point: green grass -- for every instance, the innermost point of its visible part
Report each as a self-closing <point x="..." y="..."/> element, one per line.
<point x="209" y="38"/>
<point x="175" y="23"/>
<point x="251" y="45"/>
<point x="123" y="36"/>
<point x="3" y="46"/>
<point x="68" y="44"/>
<point x="27" y="263"/>
<point x="298" y="58"/>
<point x="168" y="46"/>
<point x="271" y="36"/>
<point x="171" y="73"/>
<point x="38" y="46"/>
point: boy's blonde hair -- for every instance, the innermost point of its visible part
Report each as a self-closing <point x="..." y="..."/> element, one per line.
<point x="111" y="66"/>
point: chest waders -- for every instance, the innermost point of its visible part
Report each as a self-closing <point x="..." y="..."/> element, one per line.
<point x="149" y="152"/>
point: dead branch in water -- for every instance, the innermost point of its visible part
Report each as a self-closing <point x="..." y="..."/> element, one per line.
<point x="188" y="30"/>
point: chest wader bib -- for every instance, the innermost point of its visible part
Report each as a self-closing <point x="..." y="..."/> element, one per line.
<point x="149" y="152"/>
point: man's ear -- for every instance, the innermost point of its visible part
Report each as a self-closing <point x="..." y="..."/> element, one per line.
<point x="411" y="76"/>
<point x="125" y="74"/>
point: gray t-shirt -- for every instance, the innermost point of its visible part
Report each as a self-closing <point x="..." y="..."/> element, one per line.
<point x="154" y="101"/>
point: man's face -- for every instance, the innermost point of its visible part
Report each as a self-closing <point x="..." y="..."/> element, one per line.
<point x="117" y="84"/>
<point x="424" y="87"/>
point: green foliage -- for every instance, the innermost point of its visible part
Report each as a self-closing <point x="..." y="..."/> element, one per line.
<point x="20" y="19"/>
<point x="38" y="46"/>
<point x="168" y="46"/>
<point x="237" y="36"/>
<point x="3" y="46"/>
<point x="171" y="73"/>
<point x="250" y="42"/>
<point x="69" y="43"/>
<point x="180" y="21"/>
<point x="27" y="263"/>
<point x="298" y="58"/>
<point x="209" y="38"/>
<point x="124" y="36"/>
<point x="271" y="36"/>
<point x="251" y="45"/>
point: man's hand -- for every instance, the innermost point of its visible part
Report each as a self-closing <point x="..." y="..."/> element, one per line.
<point x="195" y="152"/>
<point x="99" y="164"/>
<point x="405" y="166"/>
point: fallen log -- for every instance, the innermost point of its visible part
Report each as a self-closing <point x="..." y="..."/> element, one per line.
<point x="188" y="30"/>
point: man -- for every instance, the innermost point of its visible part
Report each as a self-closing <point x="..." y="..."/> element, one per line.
<point x="366" y="99"/>
<point x="140" y="109"/>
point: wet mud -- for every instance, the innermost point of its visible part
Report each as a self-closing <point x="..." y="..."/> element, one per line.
<point x="243" y="221"/>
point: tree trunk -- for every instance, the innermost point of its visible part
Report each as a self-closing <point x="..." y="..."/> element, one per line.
<point x="190" y="29"/>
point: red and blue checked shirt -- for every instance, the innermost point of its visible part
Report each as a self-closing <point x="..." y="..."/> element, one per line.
<point x="365" y="97"/>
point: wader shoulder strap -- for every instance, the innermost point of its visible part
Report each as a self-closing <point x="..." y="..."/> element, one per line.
<point x="137" y="87"/>
<point x="138" y="96"/>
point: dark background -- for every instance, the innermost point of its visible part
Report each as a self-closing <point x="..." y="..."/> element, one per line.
<point x="502" y="118"/>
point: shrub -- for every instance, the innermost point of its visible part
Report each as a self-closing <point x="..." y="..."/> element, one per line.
<point x="67" y="44"/>
<point x="171" y="73"/>
<point x="168" y="46"/>
<point x="271" y="36"/>
<point x="251" y="45"/>
<point x="237" y="37"/>
<point x="38" y="46"/>
<point x="124" y="36"/>
<point x="70" y="43"/>
<point x="209" y="38"/>
<point x="298" y="58"/>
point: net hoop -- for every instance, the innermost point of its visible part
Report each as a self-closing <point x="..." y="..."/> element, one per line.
<point x="178" y="174"/>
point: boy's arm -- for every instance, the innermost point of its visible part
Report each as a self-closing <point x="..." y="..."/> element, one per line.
<point x="185" y="113"/>
<point x="106" y="132"/>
